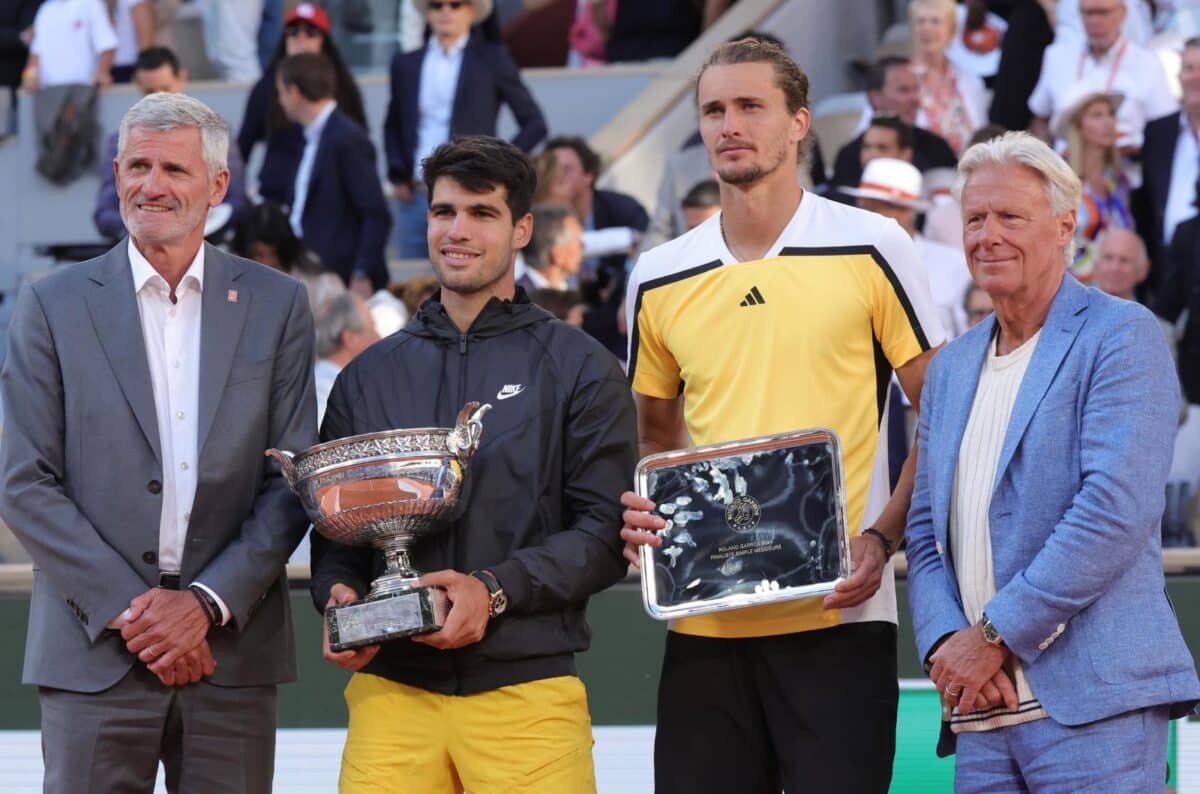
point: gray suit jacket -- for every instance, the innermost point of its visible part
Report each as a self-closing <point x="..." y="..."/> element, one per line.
<point x="80" y="464"/>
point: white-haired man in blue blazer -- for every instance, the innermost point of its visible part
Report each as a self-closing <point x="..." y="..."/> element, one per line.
<point x="1035" y="562"/>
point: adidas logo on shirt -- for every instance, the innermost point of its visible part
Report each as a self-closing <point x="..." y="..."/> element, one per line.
<point x="753" y="298"/>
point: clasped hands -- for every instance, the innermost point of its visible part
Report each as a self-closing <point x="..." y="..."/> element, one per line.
<point x="969" y="673"/>
<point x="166" y="630"/>
<point x="465" y="623"/>
<point x="867" y="556"/>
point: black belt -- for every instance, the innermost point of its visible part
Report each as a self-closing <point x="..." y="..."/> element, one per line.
<point x="169" y="581"/>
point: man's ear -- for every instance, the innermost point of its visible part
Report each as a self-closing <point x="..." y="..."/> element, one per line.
<point x="523" y="230"/>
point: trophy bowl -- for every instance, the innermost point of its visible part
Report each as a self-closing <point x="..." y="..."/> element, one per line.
<point x="386" y="490"/>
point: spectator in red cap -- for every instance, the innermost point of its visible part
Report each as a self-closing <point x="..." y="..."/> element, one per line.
<point x="305" y="29"/>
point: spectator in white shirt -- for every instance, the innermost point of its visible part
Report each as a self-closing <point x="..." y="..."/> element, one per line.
<point x="73" y="43"/>
<point x="892" y="188"/>
<point x="1103" y="61"/>
<point x="231" y="37"/>
<point x="135" y="23"/>
<point x="345" y="328"/>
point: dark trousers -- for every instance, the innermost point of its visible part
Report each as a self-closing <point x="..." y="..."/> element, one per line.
<point x="209" y="738"/>
<point x="813" y="711"/>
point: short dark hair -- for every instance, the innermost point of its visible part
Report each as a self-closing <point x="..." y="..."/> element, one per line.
<point x="587" y="155"/>
<point x="789" y="77"/>
<point x="905" y="137"/>
<point x="549" y="222"/>
<point x="878" y="71"/>
<point x="702" y="195"/>
<point x="985" y="134"/>
<point x="481" y="163"/>
<point x="153" y="58"/>
<point x="312" y="73"/>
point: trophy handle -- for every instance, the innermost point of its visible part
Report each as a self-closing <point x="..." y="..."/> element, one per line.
<point x="464" y="439"/>
<point x="284" y="458"/>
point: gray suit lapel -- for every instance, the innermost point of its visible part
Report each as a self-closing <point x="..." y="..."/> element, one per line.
<point x="1058" y="334"/>
<point x="223" y="314"/>
<point x="118" y="324"/>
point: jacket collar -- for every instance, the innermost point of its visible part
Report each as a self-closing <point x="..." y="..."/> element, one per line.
<point x="497" y="317"/>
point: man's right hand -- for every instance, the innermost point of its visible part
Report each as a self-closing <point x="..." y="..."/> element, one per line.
<point x="403" y="191"/>
<point x="356" y="658"/>
<point x="640" y="525"/>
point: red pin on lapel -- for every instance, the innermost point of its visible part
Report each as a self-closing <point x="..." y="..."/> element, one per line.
<point x="231" y="296"/>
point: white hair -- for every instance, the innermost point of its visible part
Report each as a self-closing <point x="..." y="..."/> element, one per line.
<point x="340" y="314"/>
<point x="1061" y="183"/>
<point x="1063" y="188"/>
<point x="163" y="111"/>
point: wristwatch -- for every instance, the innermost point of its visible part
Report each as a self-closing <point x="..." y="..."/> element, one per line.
<point x="990" y="633"/>
<point x="497" y="598"/>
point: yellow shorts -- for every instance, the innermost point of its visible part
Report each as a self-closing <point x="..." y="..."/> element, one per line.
<point x="534" y="737"/>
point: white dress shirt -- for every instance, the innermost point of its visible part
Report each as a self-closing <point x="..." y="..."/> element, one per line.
<point x="325" y="372"/>
<point x="171" y="331"/>
<point x="435" y="100"/>
<point x="1185" y="169"/>
<point x="312" y="140"/>
<point x="1068" y="69"/>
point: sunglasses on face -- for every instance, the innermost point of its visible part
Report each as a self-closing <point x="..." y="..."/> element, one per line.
<point x="453" y="5"/>
<point x="308" y="31"/>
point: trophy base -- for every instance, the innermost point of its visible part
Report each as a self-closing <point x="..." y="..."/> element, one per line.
<point x="419" y="610"/>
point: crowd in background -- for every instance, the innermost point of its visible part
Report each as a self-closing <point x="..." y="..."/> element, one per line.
<point x="1113" y="84"/>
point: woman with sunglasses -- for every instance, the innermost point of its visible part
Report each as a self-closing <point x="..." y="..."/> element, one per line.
<point x="305" y="29"/>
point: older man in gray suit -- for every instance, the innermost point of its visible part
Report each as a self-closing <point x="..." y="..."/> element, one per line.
<point x="141" y="389"/>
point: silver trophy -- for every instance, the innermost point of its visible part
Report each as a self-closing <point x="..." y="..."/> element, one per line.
<point x="386" y="490"/>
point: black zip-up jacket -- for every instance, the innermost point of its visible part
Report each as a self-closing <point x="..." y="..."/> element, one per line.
<point x="542" y="496"/>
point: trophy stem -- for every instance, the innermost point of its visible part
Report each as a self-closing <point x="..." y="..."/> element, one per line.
<point x="399" y="574"/>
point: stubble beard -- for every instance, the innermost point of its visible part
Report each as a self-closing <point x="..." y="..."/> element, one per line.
<point x="743" y="176"/>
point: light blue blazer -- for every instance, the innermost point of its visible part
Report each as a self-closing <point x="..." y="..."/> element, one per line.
<point x="1075" y="514"/>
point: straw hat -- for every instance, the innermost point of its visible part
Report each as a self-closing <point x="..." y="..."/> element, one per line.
<point x="890" y="180"/>
<point x="1074" y="105"/>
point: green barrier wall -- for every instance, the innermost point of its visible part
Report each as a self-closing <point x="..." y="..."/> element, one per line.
<point x="621" y="672"/>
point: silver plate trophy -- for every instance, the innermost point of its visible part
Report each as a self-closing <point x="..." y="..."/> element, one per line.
<point x="386" y="490"/>
<point x="748" y="522"/>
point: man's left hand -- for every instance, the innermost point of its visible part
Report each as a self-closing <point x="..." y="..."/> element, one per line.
<point x="170" y="623"/>
<point x="468" y="616"/>
<point x="867" y="560"/>
<point x="964" y="664"/>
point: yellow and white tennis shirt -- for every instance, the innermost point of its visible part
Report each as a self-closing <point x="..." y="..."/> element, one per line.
<point x="807" y="336"/>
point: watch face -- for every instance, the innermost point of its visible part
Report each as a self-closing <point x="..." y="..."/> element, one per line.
<point x="499" y="603"/>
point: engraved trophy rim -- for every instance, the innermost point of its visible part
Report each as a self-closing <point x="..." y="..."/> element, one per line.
<point x="724" y="449"/>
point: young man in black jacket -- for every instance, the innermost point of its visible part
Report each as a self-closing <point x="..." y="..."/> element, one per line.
<point x="491" y="701"/>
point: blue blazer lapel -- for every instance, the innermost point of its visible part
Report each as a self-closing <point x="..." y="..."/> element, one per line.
<point x="962" y="379"/>
<point x="470" y="63"/>
<point x="223" y="310"/>
<point x="118" y="324"/>
<point x="1058" y="334"/>
<point x="412" y="96"/>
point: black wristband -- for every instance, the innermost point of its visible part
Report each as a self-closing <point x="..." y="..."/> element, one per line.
<point x="888" y="550"/>
<point x="207" y="603"/>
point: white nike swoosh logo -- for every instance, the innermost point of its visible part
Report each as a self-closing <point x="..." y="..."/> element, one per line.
<point x="504" y="394"/>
